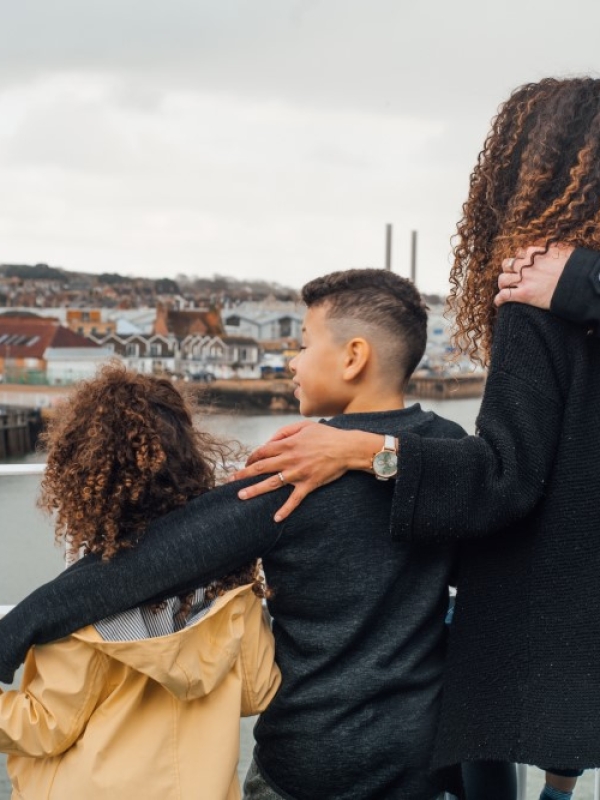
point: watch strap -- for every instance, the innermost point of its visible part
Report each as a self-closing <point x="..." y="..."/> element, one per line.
<point x="389" y="443"/>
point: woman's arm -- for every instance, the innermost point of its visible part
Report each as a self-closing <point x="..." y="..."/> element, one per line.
<point x="61" y="686"/>
<point x="199" y="542"/>
<point x="452" y="489"/>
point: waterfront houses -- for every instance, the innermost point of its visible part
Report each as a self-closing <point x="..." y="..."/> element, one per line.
<point x="204" y="346"/>
<point x="179" y="342"/>
<point x="219" y="356"/>
<point x="269" y="320"/>
<point x="40" y="350"/>
<point x="240" y="340"/>
<point x="89" y="322"/>
<point x="145" y="353"/>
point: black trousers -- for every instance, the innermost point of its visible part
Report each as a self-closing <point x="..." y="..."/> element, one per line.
<point x="490" y="780"/>
<point x="497" y="780"/>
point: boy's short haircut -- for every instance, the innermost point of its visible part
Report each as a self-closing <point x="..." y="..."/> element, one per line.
<point x="379" y="304"/>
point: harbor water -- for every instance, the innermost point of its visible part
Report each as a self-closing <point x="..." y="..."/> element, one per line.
<point x="29" y="556"/>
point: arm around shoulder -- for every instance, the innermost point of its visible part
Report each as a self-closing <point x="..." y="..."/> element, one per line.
<point x="203" y="540"/>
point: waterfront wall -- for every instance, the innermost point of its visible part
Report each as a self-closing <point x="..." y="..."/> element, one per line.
<point x="278" y="395"/>
<point x="251" y="395"/>
<point x="245" y="396"/>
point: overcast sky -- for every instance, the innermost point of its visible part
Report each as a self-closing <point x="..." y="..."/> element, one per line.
<point x="267" y="139"/>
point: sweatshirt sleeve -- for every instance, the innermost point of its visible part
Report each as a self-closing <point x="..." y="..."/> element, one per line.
<point x="577" y="294"/>
<point x="61" y="686"/>
<point x="452" y="489"/>
<point x="204" y="540"/>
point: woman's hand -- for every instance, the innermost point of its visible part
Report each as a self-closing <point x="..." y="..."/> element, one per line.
<point x="531" y="276"/>
<point x="307" y="455"/>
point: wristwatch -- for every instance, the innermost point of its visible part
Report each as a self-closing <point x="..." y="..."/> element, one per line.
<point x="385" y="462"/>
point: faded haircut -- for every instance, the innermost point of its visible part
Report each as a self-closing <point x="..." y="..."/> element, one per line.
<point x="377" y="304"/>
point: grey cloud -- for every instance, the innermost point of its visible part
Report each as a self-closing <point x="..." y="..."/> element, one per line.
<point x="387" y="56"/>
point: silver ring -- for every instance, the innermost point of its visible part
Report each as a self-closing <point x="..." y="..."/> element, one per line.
<point x="281" y="478"/>
<point x="511" y="263"/>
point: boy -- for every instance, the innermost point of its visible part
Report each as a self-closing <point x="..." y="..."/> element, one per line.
<point x="358" y="619"/>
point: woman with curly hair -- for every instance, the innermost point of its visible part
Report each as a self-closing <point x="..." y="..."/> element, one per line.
<point x="145" y="703"/>
<point x="523" y="676"/>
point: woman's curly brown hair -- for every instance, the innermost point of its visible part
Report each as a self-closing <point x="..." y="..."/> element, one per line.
<point x="537" y="181"/>
<point x="122" y="451"/>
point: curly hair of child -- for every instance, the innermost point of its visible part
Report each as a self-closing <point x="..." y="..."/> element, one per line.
<point x="123" y="450"/>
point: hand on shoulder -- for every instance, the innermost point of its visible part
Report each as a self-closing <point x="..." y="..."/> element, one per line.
<point x="532" y="275"/>
<point x="307" y="455"/>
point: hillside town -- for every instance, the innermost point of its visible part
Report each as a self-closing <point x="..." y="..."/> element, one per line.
<point x="56" y="327"/>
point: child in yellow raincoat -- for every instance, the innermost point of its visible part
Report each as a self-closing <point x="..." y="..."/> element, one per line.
<point x="145" y="703"/>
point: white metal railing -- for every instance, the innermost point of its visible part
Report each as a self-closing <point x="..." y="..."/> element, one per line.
<point x="21" y="469"/>
<point x="38" y="469"/>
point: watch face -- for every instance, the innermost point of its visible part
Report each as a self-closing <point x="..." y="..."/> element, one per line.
<point x="385" y="464"/>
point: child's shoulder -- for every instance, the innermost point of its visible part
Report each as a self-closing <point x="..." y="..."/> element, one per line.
<point x="433" y="426"/>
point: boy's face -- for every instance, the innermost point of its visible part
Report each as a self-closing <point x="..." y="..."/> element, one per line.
<point x="318" y="368"/>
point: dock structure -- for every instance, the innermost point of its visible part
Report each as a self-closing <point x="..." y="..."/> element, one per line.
<point x="19" y="429"/>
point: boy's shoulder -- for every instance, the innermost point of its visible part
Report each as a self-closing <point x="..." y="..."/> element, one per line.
<point x="412" y="419"/>
<point x="438" y="427"/>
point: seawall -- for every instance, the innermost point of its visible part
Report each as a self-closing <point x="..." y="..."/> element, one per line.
<point x="251" y="395"/>
<point x="278" y="395"/>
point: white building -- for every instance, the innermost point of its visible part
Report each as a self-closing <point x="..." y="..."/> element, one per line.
<point x="65" y="365"/>
<point x="265" y="321"/>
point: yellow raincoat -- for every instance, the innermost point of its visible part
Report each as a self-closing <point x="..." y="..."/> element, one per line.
<point x="150" y="718"/>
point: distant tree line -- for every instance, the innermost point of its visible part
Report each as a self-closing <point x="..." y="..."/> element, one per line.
<point x="39" y="272"/>
<point x="215" y="286"/>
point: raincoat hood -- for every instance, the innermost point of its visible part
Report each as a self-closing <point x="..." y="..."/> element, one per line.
<point x="187" y="665"/>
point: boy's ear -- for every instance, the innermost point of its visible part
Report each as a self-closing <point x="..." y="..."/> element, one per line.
<point x="356" y="358"/>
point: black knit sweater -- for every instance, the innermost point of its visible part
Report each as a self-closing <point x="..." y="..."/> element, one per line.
<point x="523" y="674"/>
